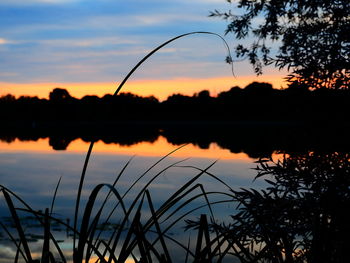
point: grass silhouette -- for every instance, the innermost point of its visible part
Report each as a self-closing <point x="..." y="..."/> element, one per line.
<point x="301" y="216"/>
<point x="130" y="238"/>
<point x="141" y="232"/>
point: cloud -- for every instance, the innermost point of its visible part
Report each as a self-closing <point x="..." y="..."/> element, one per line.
<point x="140" y="20"/>
<point x="160" y="19"/>
<point x="88" y="42"/>
<point x="4" y="41"/>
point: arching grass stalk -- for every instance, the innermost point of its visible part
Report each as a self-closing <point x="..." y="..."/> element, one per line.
<point x="82" y="178"/>
<point x="167" y="215"/>
<point x="137" y="240"/>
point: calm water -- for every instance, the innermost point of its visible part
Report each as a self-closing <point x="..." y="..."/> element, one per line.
<point x="32" y="170"/>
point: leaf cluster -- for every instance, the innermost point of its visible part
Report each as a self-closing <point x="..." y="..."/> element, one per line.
<point x="300" y="216"/>
<point x="312" y="35"/>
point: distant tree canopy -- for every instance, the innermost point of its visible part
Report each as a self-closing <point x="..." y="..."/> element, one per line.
<point x="256" y="101"/>
<point x="313" y="38"/>
<point x="59" y="94"/>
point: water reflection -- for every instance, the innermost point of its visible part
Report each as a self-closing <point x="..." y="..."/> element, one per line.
<point x="253" y="138"/>
<point x="158" y="148"/>
<point x="300" y="217"/>
<point x="32" y="170"/>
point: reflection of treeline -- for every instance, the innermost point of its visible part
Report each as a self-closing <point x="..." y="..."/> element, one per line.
<point x="257" y="101"/>
<point x="254" y="139"/>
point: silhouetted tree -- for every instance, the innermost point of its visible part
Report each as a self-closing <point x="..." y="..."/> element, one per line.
<point x="204" y="94"/>
<point x="7" y="107"/>
<point x="233" y="92"/>
<point x="313" y="36"/>
<point x="59" y="143"/>
<point x="255" y="102"/>
<point x="59" y="94"/>
<point x="259" y="88"/>
<point x="301" y="216"/>
<point x="8" y="98"/>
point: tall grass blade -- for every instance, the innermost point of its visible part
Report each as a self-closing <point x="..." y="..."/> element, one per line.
<point x="38" y="217"/>
<point x="115" y="207"/>
<point x="141" y="240"/>
<point x="174" y="199"/>
<point x="201" y="206"/>
<point x="17" y="254"/>
<point x="136" y="235"/>
<point x="18" y="226"/>
<point x="82" y="178"/>
<point x="144" y="246"/>
<point x="208" y="173"/>
<point x="178" y="243"/>
<point x="84" y="230"/>
<point x="125" y="250"/>
<point x="220" y="240"/>
<point x="188" y="249"/>
<point x="166" y="43"/>
<point x="92" y="229"/>
<point x="174" y="196"/>
<point x="203" y="230"/>
<point x="131" y="208"/>
<point x="120" y="87"/>
<point x="152" y="166"/>
<point x="39" y="214"/>
<point x="116" y="92"/>
<point x="54" y="195"/>
<point x="156" y="223"/>
<point x="46" y="244"/>
<point x="199" y="242"/>
<point x="18" y="245"/>
<point x="113" y="210"/>
<point x="117" y="232"/>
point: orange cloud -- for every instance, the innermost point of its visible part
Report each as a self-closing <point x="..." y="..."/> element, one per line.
<point x="158" y="88"/>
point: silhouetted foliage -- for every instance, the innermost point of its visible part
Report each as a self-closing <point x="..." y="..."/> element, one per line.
<point x="301" y="216"/>
<point x="204" y="94"/>
<point x="313" y="38"/>
<point x="231" y="94"/>
<point x="59" y="94"/>
<point x="255" y="102"/>
<point x="259" y="89"/>
<point x="59" y="143"/>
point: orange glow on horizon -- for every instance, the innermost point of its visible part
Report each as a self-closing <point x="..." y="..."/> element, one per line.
<point x="161" y="89"/>
<point x="157" y="149"/>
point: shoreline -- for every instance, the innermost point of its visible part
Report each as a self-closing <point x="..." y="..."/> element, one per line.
<point x="256" y="138"/>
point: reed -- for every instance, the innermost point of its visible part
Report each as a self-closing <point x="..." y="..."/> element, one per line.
<point x="138" y="235"/>
<point x="293" y="220"/>
<point x="141" y="232"/>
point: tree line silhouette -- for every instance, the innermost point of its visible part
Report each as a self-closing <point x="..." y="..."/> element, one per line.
<point x="255" y="102"/>
<point x="257" y="120"/>
<point x="255" y="140"/>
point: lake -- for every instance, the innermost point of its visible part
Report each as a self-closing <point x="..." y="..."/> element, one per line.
<point x="32" y="170"/>
<point x="34" y="158"/>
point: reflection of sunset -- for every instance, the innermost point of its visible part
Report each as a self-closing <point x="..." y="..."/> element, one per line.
<point x="159" y="148"/>
<point x="96" y="259"/>
<point x="158" y="88"/>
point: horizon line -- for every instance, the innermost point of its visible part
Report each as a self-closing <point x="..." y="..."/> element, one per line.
<point x="161" y="89"/>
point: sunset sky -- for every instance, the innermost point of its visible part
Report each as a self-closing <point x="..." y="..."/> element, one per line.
<point x="88" y="46"/>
